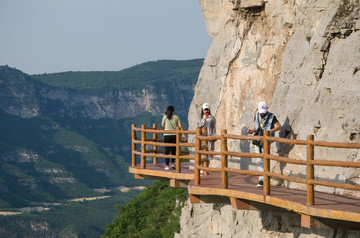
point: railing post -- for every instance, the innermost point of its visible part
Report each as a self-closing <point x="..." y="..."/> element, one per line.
<point x="155" y="137"/>
<point x="310" y="170"/>
<point x="133" y="145"/>
<point x="143" y="146"/>
<point x="197" y="157"/>
<point x="178" y="148"/>
<point x="224" y="160"/>
<point x="205" y="144"/>
<point x="266" y="162"/>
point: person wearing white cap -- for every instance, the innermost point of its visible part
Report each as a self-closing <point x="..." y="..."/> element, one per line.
<point x="264" y="121"/>
<point x="207" y="120"/>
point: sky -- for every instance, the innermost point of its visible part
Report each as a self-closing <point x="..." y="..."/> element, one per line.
<point x="48" y="36"/>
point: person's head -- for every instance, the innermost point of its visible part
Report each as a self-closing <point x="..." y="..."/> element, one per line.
<point x="205" y="109"/>
<point x="263" y="108"/>
<point x="169" y="112"/>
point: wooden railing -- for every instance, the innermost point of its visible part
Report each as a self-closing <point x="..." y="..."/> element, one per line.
<point x="155" y="143"/>
<point x="201" y="157"/>
<point x="310" y="180"/>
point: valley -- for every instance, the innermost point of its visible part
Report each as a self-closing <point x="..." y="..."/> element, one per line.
<point x="65" y="142"/>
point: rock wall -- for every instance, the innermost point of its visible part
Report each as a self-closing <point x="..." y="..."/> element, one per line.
<point x="205" y="220"/>
<point x="114" y="104"/>
<point x="303" y="58"/>
<point x="17" y="94"/>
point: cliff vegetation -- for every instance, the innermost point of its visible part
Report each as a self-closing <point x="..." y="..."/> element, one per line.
<point x="155" y="213"/>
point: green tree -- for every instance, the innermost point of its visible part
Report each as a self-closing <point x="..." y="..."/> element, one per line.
<point x="154" y="213"/>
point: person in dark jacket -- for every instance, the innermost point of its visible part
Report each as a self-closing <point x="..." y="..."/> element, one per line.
<point x="264" y="121"/>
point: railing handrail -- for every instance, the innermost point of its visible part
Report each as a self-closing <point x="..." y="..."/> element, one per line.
<point x="200" y="151"/>
<point x="155" y="142"/>
<point x="162" y="131"/>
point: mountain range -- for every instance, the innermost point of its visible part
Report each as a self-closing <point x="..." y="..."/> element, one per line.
<point x="67" y="135"/>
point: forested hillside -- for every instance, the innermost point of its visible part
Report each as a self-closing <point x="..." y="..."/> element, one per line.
<point x="159" y="72"/>
<point x="67" y="135"/>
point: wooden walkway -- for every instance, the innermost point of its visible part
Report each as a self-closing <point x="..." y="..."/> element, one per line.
<point x="239" y="186"/>
<point x="242" y="191"/>
<point x="243" y="187"/>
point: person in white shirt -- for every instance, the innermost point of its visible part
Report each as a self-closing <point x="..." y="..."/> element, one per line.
<point x="170" y="122"/>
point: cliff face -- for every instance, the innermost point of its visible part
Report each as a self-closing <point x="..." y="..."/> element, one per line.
<point x="221" y="220"/>
<point x="114" y="104"/>
<point x="22" y="96"/>
<point x="17" y="94"/>
<point x="303" y="58"/>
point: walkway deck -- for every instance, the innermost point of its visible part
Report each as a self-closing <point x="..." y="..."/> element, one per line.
<point x="244" y="187"/>
<point x="158" y="170"/>
<point x="242" y="191"/>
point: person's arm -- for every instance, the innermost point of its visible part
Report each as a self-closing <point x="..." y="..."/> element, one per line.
<point x="277" y="125"/>
<point x="251" y="131"/>
<point x="163" y="121"/>
<point x="180" y="126"/>
<point x="276" y="128"/>
<point x="201" y="122"/>
<point x="212" y="128"/>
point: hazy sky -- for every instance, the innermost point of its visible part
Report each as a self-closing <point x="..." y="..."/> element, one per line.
<point x="39" y="36"/>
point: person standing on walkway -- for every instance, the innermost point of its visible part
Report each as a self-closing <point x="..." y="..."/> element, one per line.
<point x="170" y="121"/>
<point x="264" y="121"/>
<point x="207" y="120"/>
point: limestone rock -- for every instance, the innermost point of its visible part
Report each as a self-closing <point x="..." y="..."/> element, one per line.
<point x="303" y="58"/>
<point x="251" y="3"/>
<point x="221" y="220"/>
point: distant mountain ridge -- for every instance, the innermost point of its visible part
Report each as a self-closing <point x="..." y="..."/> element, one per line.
<point x="138" y="76"/>
<point x="122" y="94"/>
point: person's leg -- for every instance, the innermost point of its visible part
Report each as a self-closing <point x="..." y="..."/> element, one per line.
<point x="211" y="147"/>
<point x="173" y="149"/>
<point x="259" y="149"/>
<point x="167" y="150"/>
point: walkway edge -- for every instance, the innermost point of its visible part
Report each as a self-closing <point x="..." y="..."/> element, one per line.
<point x="289" y="205"/>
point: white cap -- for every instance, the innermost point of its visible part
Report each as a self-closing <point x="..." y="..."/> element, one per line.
<point x="262" y="107"/>
<point x="206" y="106"/>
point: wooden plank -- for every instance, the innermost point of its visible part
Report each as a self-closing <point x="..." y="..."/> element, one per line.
<point x="138" y="176"/>
<point x="194" y="198"/>
<point x="240" y="204"/>
<point x="316" y="223"/>
<point x="306" y="221"/>
<point x="158" y="171"/>
<point x="174" y="183"/>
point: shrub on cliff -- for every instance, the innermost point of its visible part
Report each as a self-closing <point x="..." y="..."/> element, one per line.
<point x="154" y="213"/>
